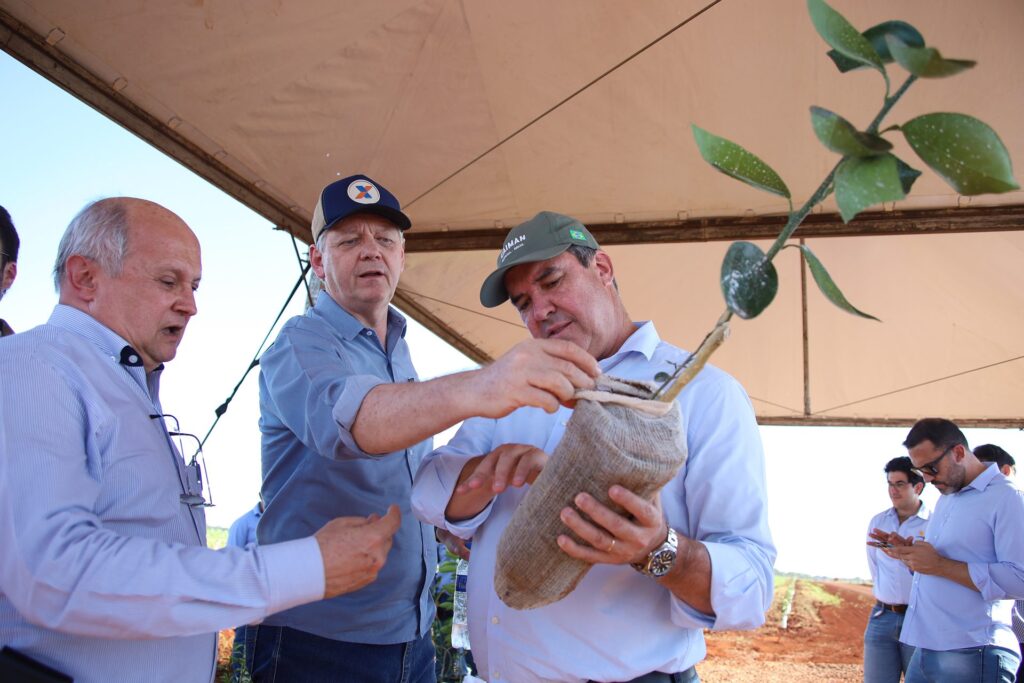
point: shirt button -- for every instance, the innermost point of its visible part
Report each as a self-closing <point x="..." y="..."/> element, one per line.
<point x="369" y="333"/>
<point x="494" y="620"/>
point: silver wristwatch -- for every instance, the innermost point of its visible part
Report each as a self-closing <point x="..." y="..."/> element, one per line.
<point x="660" y="560"/>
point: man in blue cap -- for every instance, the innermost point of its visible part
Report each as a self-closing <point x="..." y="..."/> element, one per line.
<point x="698" y="555"/>
<point x="345" y="423"/>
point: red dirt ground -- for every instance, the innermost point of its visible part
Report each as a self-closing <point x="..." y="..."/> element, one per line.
<point x="822" y="643"/>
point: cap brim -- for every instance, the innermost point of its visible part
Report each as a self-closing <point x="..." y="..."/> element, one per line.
<point x="493" y="292"/>
<point x="400" y="220"/>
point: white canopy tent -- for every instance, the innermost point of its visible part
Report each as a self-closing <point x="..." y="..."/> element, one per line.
<point x="479" y="113"/>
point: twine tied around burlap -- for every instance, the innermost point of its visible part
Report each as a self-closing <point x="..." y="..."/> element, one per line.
<point x="615" y="436"/>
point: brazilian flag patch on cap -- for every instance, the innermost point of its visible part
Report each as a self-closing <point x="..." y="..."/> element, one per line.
<point x="577" y="235"/>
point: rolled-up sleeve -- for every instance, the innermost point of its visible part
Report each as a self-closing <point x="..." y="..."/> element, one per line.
<point x="1004" y="579"/>
<point x="726" y="506"/>
<point x="315" y="391"/>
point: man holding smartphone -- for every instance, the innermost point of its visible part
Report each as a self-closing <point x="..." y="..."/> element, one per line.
<point x="885" y="657"/>
<point x="969" y="570"/>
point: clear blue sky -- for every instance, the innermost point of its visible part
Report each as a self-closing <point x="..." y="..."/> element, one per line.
<point x="824" y="484"/>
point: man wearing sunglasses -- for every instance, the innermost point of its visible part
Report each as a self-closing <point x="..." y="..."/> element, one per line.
<point x="885" y="657"/>
<point x="969" y="569"/>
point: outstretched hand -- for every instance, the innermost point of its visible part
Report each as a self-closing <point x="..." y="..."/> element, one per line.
<point x="484" y="477"/>
<point x="354" y="549"/>
<point x="543" y="373"/>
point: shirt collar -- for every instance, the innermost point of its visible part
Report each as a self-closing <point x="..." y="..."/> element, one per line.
<point x="346" y="323"/>
<point x="110" y="344"/>
<point x="644" y="340"/>
<point x="924" y="512"/>
<point x="985" y="478"/>
<point x="85" y="326"/>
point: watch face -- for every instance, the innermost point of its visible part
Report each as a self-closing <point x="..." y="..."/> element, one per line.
<point x="662" y="562"/>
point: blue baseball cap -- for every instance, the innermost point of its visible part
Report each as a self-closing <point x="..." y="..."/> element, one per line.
<point x="352" y="195"/>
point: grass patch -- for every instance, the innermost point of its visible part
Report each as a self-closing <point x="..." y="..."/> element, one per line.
<point x="819" y="596"/>
<point x="216" y="537"/>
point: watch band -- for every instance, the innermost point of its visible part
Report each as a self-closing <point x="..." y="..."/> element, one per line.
<point x="660" y="560"/>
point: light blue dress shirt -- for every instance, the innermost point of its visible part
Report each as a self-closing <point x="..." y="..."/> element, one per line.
<point x="618" y="624"/>
<point x="980" y="525"/>
<point x="104" y="573"/>
<point x="312" y="382"/>
<point x="243" y="529"/>
<point x="890" y="576"/>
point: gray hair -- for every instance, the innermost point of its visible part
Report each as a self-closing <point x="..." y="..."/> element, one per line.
<point x="100" y="233"/>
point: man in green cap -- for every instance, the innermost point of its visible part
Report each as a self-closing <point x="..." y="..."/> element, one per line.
<point x="698" y="555"/>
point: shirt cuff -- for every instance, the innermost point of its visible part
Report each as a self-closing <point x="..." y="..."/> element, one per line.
<point x="295" y="572"/>
<point x="982" y="578"/>
<point x="465" y="528"/>
<point x="737" y="597"/>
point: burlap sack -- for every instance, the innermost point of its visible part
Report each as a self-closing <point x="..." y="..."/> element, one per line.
<point x="613" y="437"/>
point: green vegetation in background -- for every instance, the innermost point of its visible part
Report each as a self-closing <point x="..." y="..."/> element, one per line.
<point x="216" y="537"/>
<point x="818" y="595"/>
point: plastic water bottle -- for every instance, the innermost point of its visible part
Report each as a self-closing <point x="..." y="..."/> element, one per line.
<point x="460" y="614"/>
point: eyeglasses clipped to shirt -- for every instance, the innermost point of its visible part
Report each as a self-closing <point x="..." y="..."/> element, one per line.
<point x="194" y="493"/>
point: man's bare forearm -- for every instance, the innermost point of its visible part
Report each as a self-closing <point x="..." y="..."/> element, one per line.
<point x="958" y="572"/>
<point x="690" y="576"/>
<point x="393" y="417"/>
<point x="466" y="504"/>
<point x="539" y="373"/>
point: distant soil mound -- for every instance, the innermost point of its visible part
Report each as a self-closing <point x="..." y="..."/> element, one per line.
<point x="824" y="640"/>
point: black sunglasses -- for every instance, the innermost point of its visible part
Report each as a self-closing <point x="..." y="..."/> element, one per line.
<point x="930" y="468"/>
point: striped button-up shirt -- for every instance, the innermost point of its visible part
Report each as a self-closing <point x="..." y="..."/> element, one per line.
<point x="104" y="573"/>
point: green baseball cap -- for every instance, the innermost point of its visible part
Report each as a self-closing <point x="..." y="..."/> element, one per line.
<point x="544" y="236"/>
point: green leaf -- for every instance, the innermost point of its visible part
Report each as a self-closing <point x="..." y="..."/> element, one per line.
<point x="908" y="175"/>
<point x="866" y="181"/>
<point x="843" y="37"/>
<point x="736" y="162"/>
<point x="876" y="36"/>
<point x="828" y="286"/>
<point x="749" y="281"/>
<point x="841" y="137"/>
<point x="966" y="152"/>
<point x="926" y="62"/>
